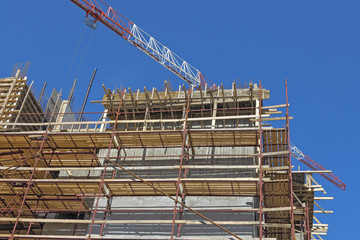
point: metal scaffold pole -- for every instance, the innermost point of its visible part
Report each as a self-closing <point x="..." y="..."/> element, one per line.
<point x="291" y="197"/>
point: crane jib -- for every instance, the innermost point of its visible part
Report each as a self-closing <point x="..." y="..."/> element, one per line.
<point x="143" y="41"/>
<point x="299" y="155"/>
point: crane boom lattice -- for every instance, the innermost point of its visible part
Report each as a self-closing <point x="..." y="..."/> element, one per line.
<point x="299" y="155"/>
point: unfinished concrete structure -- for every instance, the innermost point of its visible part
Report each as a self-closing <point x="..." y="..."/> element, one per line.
<point x="184" y="164"/>
<point x="17" y="103"/>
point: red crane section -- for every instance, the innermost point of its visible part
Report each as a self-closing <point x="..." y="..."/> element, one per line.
<point x="143" y="41"/>
<point x="112" y="19"/>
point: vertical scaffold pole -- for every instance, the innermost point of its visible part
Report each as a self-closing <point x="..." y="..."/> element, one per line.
<point x="184" y="136"/>
<point x="261" y="198"/>
<point x="307" y="224"/>
<point x="107" y="159"/>
<point x="29" y="183"/>
<point x="289" y="164"/>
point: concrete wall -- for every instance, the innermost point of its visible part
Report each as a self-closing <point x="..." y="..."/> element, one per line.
<point x="144" y="205"/>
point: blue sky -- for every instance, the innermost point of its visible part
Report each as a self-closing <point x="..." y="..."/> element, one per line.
<point x="314" y="44"/>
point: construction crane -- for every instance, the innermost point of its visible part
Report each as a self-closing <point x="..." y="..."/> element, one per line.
<point x="299" y="155"/>
<point x="163" y="55"/>
<point x="143" y="41"/>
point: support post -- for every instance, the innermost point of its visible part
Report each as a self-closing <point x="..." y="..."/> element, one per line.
<point x="184" y="138"/>
<point x="261" y="197"/>
<point x="42" y="93"/>
<point x="289" y="164"/>
<point x="106" y="164"/>
<point x="87" y="94"/>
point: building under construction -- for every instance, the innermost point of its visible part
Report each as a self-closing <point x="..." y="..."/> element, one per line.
<point x="198" y="162"/>
<point x="157" y="164"/>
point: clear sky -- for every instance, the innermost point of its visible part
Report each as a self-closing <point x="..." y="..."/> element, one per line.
<point x="314" y="44"/>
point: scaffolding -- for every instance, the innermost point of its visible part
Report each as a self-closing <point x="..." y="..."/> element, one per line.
<point x="185" y="164"/>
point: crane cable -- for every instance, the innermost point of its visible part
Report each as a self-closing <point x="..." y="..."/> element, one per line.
<point x="84" y="53"/>
<point x="75" y="55"/>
